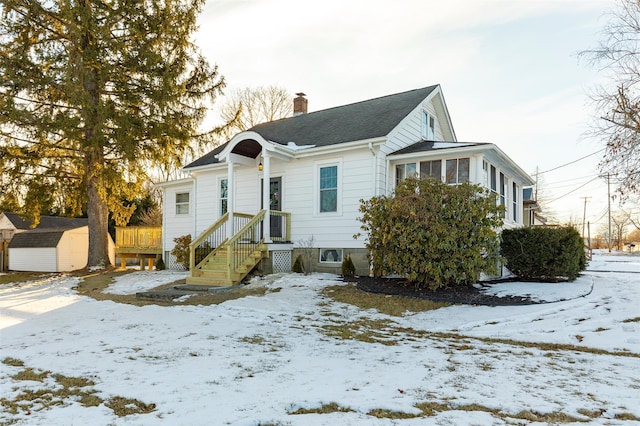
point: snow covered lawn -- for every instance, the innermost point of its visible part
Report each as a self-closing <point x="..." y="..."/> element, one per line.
<point x="296" y="357"/>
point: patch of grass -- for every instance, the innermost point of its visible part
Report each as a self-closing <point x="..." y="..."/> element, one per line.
<point x="386" y="304"/>
<point x="29" y="374"/>
<point x="268" y="346"/>
<point x="389" y="414"/>
<point x="636" y="319"/>
<point x="125" y="406"/>
<point x="66" y="388"/>
<point x="626" y="416"/>
<point x="366" y="330"/>
<point x="554" y="417"/>
<point x="254" y="340"/>
<point x="21" y="277"/>
<point x="73" y="382"/>
<point x="14" y="362"/>
<point x="592" y="414"/>
<point x="433" y="408"/>
<point x="94" y="284"/>
<point x="218" y="298"/>
<point x="553" y="348"/>
<point x="331" y="407"/>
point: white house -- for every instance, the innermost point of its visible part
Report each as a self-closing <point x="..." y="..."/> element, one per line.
<point x="319" y="166"/>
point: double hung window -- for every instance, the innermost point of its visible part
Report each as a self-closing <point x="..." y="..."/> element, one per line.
<point x="328" y="189"/>
<point x="428" y="126"/>
<point x="182" y="203"/>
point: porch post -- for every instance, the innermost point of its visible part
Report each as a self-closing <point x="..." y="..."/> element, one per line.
<point x="230" y="198"/>
<point x="266" y="196"/>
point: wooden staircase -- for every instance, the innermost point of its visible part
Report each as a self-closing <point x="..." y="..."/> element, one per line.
<point x="217" y="260"/>
<point x="216" y="270"/>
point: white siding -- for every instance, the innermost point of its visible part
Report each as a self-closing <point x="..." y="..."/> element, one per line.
<point x="42" y="259"/>
<point x="409" y="131"/>
<point x="299" y="196"/>
<point x="206" y="201"/>
<point x="176" y="225"/>
<point x="355" y="182"/>
<point x="72" y="251"/>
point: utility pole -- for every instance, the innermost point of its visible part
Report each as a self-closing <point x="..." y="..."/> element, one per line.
<point x="584" y="215"/>
<point x="609" y="207"/>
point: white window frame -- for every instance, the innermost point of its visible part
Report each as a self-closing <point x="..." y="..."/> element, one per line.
<point x="316" y="186"/>
<point x="485" y="174"/>
<point x="457" y="173"/>
<point x="503" y="193"/>
<point x="221" y="198"/>
<point x="424" y="176"/>
<point x="404" y="172"/>
<point x="428" y="123"/>
<point x="515" y="190"/>
<point x="180" y="204"/>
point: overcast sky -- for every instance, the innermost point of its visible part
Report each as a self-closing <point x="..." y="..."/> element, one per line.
<point x="508" y="69"/>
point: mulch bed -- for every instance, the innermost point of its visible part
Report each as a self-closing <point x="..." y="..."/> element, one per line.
<point x="469" y="295"/>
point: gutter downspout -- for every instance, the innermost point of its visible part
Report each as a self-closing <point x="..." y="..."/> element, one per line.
<point x="375" y="169"/>
<point x="195" y="208"/>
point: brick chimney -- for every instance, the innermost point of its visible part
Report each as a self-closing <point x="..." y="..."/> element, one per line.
<point x="300" y="104"/>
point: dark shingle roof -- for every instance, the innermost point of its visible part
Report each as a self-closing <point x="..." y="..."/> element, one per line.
<point x="47" y="222"/>
<point x="17" y="221"/>
<point x="358" y="121"/>
<point x="423" y="146"/>
<point x="37" y="238"/>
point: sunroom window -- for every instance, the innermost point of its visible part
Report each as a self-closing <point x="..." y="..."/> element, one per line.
<point x="514" y="200"/>
<point x="404" y="171"/>
<point x="431" y="169"/>
<point x="457" y="170"/>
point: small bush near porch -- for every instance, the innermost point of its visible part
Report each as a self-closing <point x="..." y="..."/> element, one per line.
<point x="433" y="234"/>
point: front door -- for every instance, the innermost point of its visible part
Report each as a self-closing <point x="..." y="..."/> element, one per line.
<point x="275" y="204"/>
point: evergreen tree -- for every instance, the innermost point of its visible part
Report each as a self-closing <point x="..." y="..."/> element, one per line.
<point x="89" y="92"/>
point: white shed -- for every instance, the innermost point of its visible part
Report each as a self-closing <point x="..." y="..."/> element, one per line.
<point x="51" y="250"/>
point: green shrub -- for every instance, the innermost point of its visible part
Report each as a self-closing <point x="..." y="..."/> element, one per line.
<point x="160" y="266"/>
<point x="432" y="233"/>
<point x="297" y="265"/>
<point x="544" y="253"/>
<point x="181" y="250"/>
<point x="348" y="269"/>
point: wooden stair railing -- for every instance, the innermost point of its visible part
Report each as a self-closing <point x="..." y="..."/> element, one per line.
<point x="216" y="259"/>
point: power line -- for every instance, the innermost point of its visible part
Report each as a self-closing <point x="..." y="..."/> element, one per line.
<point x="571" y="162"/>
<point x="574" y="190"/>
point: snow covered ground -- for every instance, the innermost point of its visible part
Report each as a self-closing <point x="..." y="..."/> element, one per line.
<point x="260" y="359"/>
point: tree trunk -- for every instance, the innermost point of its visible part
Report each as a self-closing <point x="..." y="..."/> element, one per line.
<point x="97" y="210"/>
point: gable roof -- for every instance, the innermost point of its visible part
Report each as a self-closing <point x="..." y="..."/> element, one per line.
<point x="353" y="122"/>
<point x="37" y="238"/>
<point x="47" y="222"/>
